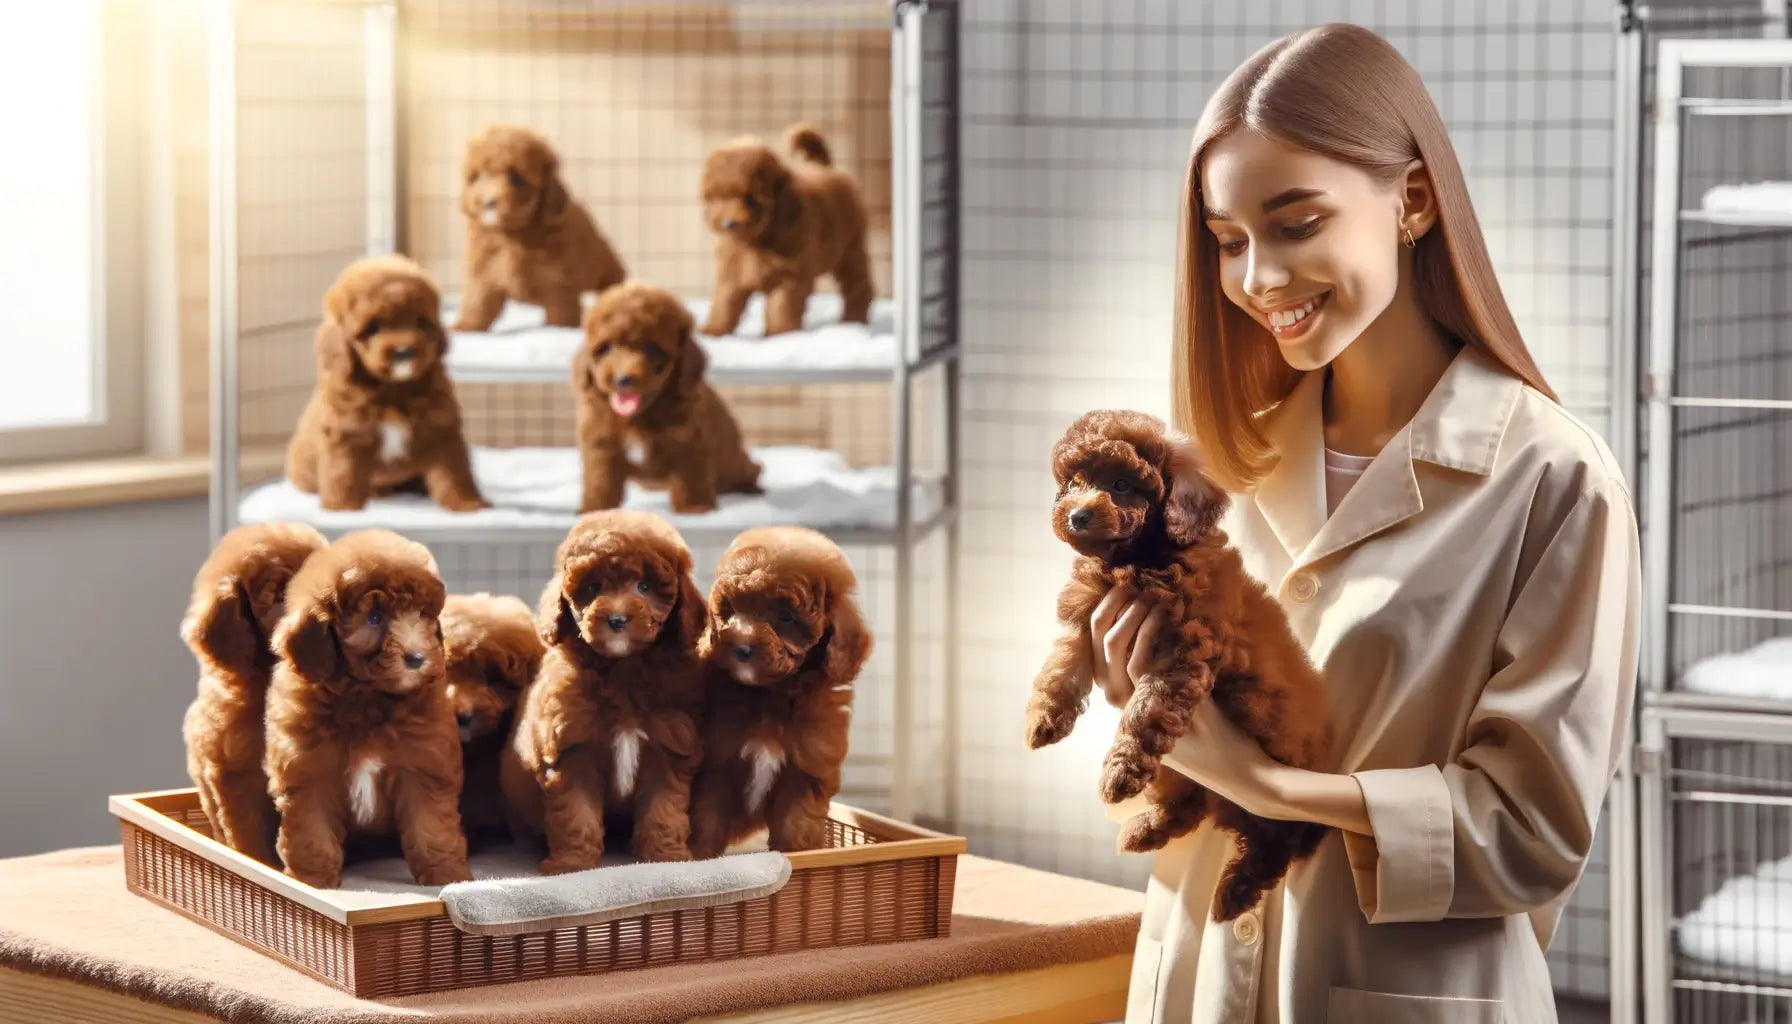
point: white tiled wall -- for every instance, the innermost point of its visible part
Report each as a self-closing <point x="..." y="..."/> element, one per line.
<point x="1076" y="124"/>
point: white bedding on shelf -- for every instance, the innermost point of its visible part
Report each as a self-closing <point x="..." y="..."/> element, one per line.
<point x="1761" y="672"/>
<point x="1745" y="924"/>
<point x="1751" y="197"/>
<point x="519" y="347"/>
<point x="540" y="488"/>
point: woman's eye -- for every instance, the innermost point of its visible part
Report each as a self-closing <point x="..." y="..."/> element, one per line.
<point x="1302" y="230"/>
<point x="376" y="618"/>
<point x="1232" y="247"/>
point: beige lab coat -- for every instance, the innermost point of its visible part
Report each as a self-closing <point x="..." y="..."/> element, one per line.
<point x="1473" y="603"/>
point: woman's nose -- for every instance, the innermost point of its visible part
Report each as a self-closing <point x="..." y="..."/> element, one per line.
<point x="1264" y="273"/>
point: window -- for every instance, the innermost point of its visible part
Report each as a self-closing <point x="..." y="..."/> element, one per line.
<point x="70" y="362"/>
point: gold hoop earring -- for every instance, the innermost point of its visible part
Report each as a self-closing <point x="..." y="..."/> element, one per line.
<point x="1410" y="244"/>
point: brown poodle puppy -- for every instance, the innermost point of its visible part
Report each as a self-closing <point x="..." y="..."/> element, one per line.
<point x="785" y="643"/>
<point x="493" y="653"/>
<point x="527" y="238"/>
<point x="779" y="225"/>
<point x="607" y="737"/>
<point x="361" y="736"/>
<point x="1135" y="505"/>
<point x="645" y="410"/>
<point x="239" y="595"/>
<point x="383" y="416"/>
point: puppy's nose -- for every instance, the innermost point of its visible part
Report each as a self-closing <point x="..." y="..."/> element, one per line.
<point x="490" y="203"/>
<point x="618" y="622"/>
<point x="465" y="718"/>
<point x="413" y="660"/>
<point x="1079" y="518"/>
<point x="403" y="353"/>
<point x="743" y="652"/>
<point x="625" y="381"/>
<point x="728" y="223"/>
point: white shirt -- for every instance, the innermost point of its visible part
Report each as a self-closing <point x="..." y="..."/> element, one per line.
<point x="1341" y="471"/>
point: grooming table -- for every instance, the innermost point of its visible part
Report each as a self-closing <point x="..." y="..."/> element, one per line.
<point x="75" y="946"/>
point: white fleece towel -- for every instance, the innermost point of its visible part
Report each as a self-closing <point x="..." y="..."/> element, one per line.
<point x="1749" y="197"/>
<point x="1745" y="924"/>
<point x="1762" y="672"/>
<point x="515" y="906"/>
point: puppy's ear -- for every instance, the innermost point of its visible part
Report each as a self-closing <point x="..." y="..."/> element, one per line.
<point x="692" y="362"/>
<point x="306" y="638"/>
<point x="849" y="642"/>
<point x="551" y="208"/>
<point x="693" y="614"/>
<point x="335" y="356"/>
<point x="220" y="627"/>
<point x="1192" y="503"/>
<point x="553" y="616"/>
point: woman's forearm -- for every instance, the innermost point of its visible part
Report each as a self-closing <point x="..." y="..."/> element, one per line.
<point x="1295" y="794"/>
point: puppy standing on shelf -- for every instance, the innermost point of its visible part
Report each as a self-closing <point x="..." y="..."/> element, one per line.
<point x="645" y="411"/>
<point x="383" y="416"/>
<point x="1133" y="502"/>
<point x="607" y="737"/>
<point x="239" y="595"/>
<point x="779" y="225"/>
<point x="785" y="645"/>
<point x="361" y="736"/>
<point x="493" y="653"/>
<point x="527" y="238"/>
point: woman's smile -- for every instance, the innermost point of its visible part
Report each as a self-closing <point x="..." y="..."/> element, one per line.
<point x="1294" y="319"/>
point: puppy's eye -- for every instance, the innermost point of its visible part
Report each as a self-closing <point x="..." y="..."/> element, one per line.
<point x="376" y="618"/>
<point x="786" y="617"/>
<point x="369" y="329"/>
<point x="424" y="323"/>
<point x="603" y="350"/>
<point x="516" y="180"/>
<point x="1121" y="486"/>
<point x="654" y="352"/>
<point x="644" y="587"/>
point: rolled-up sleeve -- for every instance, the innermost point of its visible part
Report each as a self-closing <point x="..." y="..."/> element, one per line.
<point x="1505" y="827"/>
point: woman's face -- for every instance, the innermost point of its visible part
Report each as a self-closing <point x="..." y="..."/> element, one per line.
<point x="1308" y="246"/>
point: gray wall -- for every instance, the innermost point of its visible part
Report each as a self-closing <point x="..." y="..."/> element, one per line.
<point x="93" y="678"/>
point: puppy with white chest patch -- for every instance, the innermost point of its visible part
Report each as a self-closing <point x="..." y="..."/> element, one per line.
<point x="361" y="735"/>
<point x="383" y="416"/>
<point x="606" y="741"/>
<point x="785" y="646"/>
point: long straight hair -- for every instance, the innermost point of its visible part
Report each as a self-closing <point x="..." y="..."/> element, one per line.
<point x="1344" y="92"/>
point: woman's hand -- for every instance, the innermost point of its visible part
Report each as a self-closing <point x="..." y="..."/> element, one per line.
<point x="1216" y="753"/>
<point x="1124" y="630"/>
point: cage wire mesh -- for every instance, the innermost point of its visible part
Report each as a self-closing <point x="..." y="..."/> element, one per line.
<point x="349" y="124"/>
<point x="1730" y="840"/>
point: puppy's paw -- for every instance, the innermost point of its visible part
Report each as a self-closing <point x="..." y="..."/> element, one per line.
<point x="567" y="863"/>
<point x="1141" y="835"/>
<point x="464" y="503"/>
<point x="688" y="507"/>
<point x="1124" y="777"/>
<point x="444" y="874"/>
<point x="1046" y="725"/>
<point x="316" y="879"/>
<point x="342" y="503"/>
<point x="716" y="328"/>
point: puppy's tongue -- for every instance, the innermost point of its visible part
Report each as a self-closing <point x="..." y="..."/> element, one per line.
<point x="626" y="403"/>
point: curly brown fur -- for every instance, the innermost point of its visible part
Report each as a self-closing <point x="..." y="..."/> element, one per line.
<point x="785" y="644"/>
<point x="493" y="653"/>
<point x="1135" y="505"/>
<point x="239" y="595"/>
<point x="645" y="411"/>
<point x="607" y="735"/>
<point x="527" y="238"/>
<point x="361" y="735"/>
<point x="779" y="225"/>
<point x="383" y="416"/>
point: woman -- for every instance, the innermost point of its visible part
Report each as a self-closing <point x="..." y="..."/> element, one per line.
<point x="1456" y="551"/>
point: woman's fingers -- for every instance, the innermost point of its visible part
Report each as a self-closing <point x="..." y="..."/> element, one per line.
<point x="1100" y="621"/>
<point x="1117" y="649"/>
<point x="1139" y="661"/>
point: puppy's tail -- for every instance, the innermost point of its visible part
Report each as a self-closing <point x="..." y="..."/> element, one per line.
<point x="805" y="141"/>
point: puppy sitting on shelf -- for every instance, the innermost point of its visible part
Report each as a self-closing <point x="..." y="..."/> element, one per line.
<point x="383" y="416"/>
<point x="239" y="595"/>
<point x="785" y="644"/>
<point x="645" y="411"/>
<point x="493" y="653"/>
<point x="1134" y="504"/>
<point x="361" y="736"/>
<point x="527" y="238"/>
<point x="779" y="225"/>
<point x="606" y="742"/>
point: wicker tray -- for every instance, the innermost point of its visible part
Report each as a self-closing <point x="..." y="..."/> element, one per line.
<point x="879" y="881"/>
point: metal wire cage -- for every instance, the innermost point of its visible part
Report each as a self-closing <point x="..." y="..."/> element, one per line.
<point x="337" y="128"/>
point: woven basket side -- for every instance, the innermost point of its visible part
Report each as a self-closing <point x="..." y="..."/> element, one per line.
<point x="236" y="907"/>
